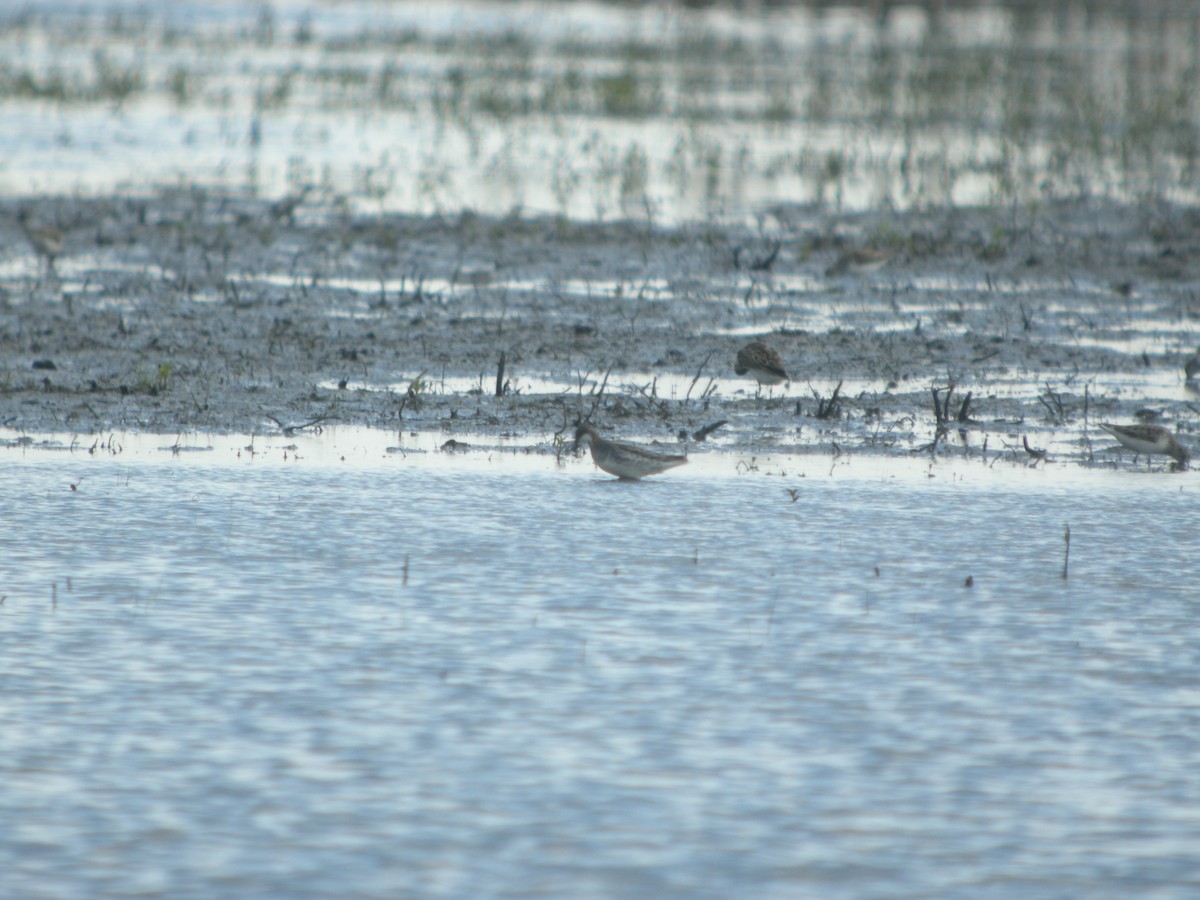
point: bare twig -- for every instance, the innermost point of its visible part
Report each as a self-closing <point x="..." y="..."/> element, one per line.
<point x="1056" y="410"/>
<point x="699" y="372"/>
<point x="941" y="417"/>
<point x="827" y="409"/>
<point x="707" y="430"/>
<point x="1038" y="455"/>
<point x="651" y="398"/>
<point x="599" y="397"/>
<point x="1026" y="319"/>
<point x="1087" y="437"/>
<point x="963" y="416"/>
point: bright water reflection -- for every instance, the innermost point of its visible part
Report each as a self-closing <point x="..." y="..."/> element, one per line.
<point x="600" y="110"/>
<point x="390" y="678"/>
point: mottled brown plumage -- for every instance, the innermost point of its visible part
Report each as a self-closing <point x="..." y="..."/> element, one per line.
<point x="865" y="259"/>
<point x="762" y="362"/>
<point x="47" y="240"/>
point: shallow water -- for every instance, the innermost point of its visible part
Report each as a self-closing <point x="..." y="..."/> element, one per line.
<point x="490" y="675"/>
<point x="598" y="110"/>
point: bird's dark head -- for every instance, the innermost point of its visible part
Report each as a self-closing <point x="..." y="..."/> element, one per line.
<point x="584" y="434"/>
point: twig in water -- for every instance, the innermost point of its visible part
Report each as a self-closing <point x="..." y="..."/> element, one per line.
<point x="1066" y="550"/>
<point x="500" y="376"/>
<point x="707" y="430"/>
<point x="941" y="415"/>
<point x="1038" y="455"/>
<point x="1026" y="319"/>
<point x="826" y="409"/>
<point x="963" y="416"/>
<point x="1056" y="411"/>
<point x="599" y="396"/>
<point x="941" y="411"/>
<point x="699" y="371"/>
<point x="651" y="398"/>
<point x="582" y="378"/>
<point x="1087" y="437"/>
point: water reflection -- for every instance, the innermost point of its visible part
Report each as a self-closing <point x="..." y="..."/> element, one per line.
<point x="608" y="111"/>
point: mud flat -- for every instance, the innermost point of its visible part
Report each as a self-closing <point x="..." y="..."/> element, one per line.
<point x="204" y="311"/>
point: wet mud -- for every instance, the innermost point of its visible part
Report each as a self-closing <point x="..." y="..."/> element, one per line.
<point x="999" y="333"/>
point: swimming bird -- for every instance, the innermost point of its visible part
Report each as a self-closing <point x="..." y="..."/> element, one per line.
<point x="1149" y="439"/>
<point x="1191" y="368"/>
<point x="762" y="362"/>
<point x="629" y="462"/>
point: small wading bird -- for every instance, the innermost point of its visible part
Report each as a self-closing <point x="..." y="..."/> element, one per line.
<point x="629" y="462"/>
<point x="1149" y="439"/>
<point x="1191" y="368"/>
<point x="46" y="239"/>
<point x="762" y="363"/>
<point x="866" y="259"/>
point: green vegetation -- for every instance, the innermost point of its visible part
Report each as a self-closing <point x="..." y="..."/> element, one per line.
<point x="906" y="117"/>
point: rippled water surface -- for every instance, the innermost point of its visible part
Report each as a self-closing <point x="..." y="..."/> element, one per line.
<point x="487" y="676"/>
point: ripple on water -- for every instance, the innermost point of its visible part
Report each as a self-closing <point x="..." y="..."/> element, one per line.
<point x="276" y="678"/>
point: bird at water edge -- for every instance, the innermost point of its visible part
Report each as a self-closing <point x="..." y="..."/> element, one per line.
<point x="761" y="362"/>
<point x="46" y="240"/>
<point x="1149" y="439"/>
<point x="1191" y="367"/>
<point x="629" y="462"/>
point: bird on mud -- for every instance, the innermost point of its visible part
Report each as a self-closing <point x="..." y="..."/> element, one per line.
<point x="1191" y="366"/>
<point x="859" y="261"/>
<point x="46" y="240"/>
<point x="1151" y="440"/>
<point x="761" y="362"/>
<point x="629" y="462"/>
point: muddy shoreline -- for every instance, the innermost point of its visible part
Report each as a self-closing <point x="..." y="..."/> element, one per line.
<point x="199" y="311"/>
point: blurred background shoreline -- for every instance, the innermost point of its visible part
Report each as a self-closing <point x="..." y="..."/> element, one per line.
<point x="667" y="113"/>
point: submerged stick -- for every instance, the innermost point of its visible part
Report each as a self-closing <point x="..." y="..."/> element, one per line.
<point x="500" y="376"/>
<point x="1036" y="453"/>
<point x="708" y="429"/>
<point x="1066" y="550"/>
